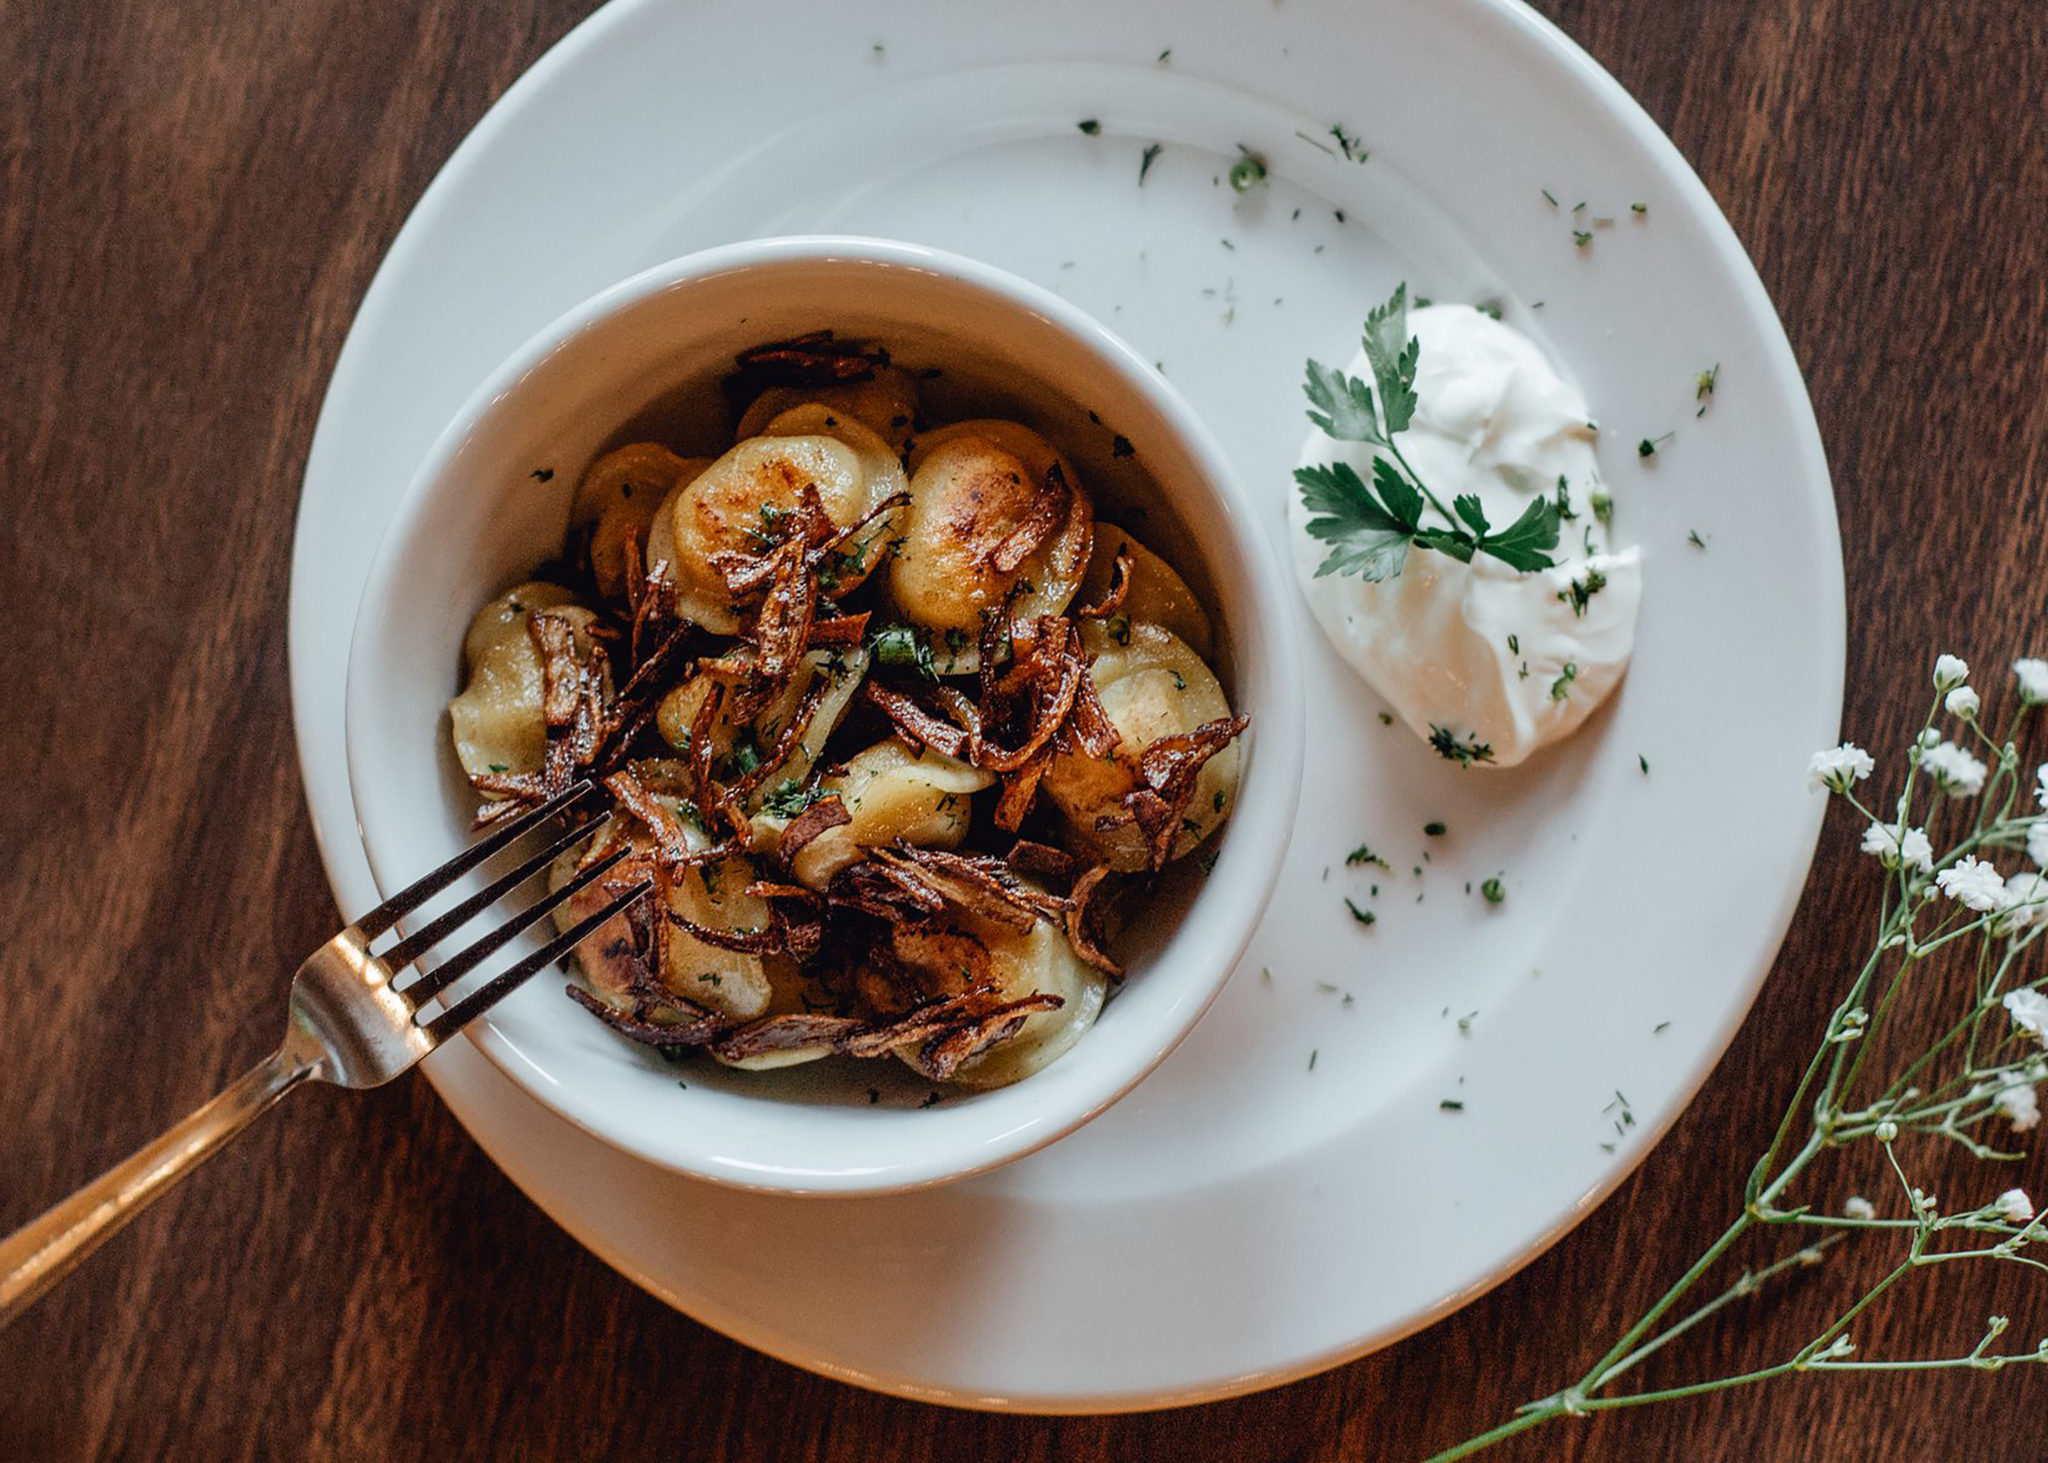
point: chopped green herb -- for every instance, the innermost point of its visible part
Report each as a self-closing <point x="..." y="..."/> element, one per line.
<point x="1660" y="1028"/>
<point x="1549" y="197"/>
<point x="1248" y="172"/>
<point x="1090" y="126"/>
<point x="1703" y="387"/>
<point x="1450" y="1104"/>
<point x="1312" y="1059"/>
<point x="1435" y="830"/>
<point x="1120" y="446"/>
<point x="1118" y="628"/>
<point x="1386" y="718"/>
<point x="1603" y="507"/>
<point x="499" y="767"/>
<point x="1465" y="753"/>
<point x="543" y="474"/>
<point x="1581" y="238"/>
<point x="1514" y="645"/>
<point x="1693" y="537"/>
<point x="1145" y="161"/>
<point x="1639" y="209"/>
<point x="901" y="648"/>
<point x="1644" y="763"/>
<point x="1493" y="891"/>
<point x="1579" y="593"/>
<point x="1561" y="687"/>
<point x="1363" y="916"/>
<point x="1164" y="57"/>
<point x="1351" y="147"/>
<point x="1489" y="308"/>
<point x="790" y="797"/>
<point x="1649" y="445"/>
<point x="1363" y="854"/>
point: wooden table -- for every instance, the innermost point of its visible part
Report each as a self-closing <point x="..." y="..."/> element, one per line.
<point x="194" y="198"/>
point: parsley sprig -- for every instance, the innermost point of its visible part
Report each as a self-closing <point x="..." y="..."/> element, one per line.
<point x="1371" y="526"/>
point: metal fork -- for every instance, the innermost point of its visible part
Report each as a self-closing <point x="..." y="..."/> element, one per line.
<point x="349" y="1025"/>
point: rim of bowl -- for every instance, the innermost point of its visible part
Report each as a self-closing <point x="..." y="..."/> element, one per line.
<point x="1265" y="633"/>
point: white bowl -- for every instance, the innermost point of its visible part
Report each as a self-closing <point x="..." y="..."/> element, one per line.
<point x="643" y="359"/>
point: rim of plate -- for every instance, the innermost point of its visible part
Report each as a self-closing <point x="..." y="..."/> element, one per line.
<point x="1506" y="21"/>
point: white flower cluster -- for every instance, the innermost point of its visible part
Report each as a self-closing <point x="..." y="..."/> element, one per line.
<point x="1910" y="848"/>
<point x="1950" y="671"/>
<point x="1974" y="883"/>
<point x="1953" y="769"/>
<point x="2020" y="1106"/>
<point x="2014" y="1207"/>
<point x="2032" y="676"/>
<point x="1839" y="768"/>
<point x="2029" y="1011"/>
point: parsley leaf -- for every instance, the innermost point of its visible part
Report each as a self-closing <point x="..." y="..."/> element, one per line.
<point x="1364" y="535"/>
<point x="1343" y="404"/>
<point x="1393" y="355"/>
<point x="1524" y="544"/>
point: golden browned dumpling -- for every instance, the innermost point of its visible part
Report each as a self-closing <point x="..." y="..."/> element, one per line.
<point x="992" y="506"/>
<point x="886" y="403"/>
<point x="1152" y="686"/>
<point x="497" y="720"/>
<point x="1157" y="593"/>
<point x="739" y="504"/>
<point x="891" y="792"/>
<point x="618" y="499"/>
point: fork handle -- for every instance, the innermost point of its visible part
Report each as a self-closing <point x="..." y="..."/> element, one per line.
<point x="45" y="1250"/>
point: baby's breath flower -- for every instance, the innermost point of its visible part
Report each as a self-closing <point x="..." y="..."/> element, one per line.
<point x="1950" y="671"/>
<point x="2020" y="1105"/>
<point x="1927" y="738"/>
<point x="1954" y="770"/>
<point x="1886" y="1131"/>
<point x="1963" y="702"/>
<point x="1859" y="1207"/>
<point x="2026" y="896"/>
<point x="2014" y="1206"/>
<point x="1975" y="884"/>
<point x="2032" y="676"/>
<point x="2041" y="784"/>
<point x="1838" y="768"/>
<point x="1913" y="850"/>
<point x="2037" y="843"/>
<point x="2029" y="1011"/>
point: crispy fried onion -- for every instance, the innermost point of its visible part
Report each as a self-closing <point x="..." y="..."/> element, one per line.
<point x="1166" y="775"/>
<point x="1049" y="509"/>
<point x="824" y="814"/>
<point x="910" y="883"/>
<point x="815" y="358"/>
<point x="1119" y="586"/>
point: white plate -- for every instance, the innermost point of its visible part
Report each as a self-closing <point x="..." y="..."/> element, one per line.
<point x="1290" y="1188"/>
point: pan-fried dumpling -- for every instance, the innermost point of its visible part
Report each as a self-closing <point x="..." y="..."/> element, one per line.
<point x="992" y="504"/>
<point x="891" y="792"/>
<point x="842" y="670"/>
<point x="497" y="720"/>
<point x="1152" y="686"/>
<point x="1157" y="593"/>
<point x="886" y="403"/>
<point x="619" y="497"/>
<point x="736" y="505"/>
<point x="1037" y="962"/>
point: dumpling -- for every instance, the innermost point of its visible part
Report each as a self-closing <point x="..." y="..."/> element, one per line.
<point x="735" y="505"/>
<point x="618" y="499"/>
<point x="886" y="403"/>
<point x="891" y="792"/>
<point x="713" y="895"/>
<point x="992" y="504"/>
<point x="1157" y="593"/>
<point x="497" y="721"/>
<point x="1152" y="686"/>
<point x="842" y="670"/>
<point x="1036" y="962"/>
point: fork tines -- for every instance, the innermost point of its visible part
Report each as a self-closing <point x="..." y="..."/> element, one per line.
<point x="428" y="984"/>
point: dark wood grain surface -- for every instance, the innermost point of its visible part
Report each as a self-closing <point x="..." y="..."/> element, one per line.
<point x="194" y="199"/>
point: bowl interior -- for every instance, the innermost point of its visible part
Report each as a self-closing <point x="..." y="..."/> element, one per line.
<point x="645" y="360"/>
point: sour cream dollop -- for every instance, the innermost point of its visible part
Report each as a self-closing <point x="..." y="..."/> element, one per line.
<point x="1489" y="656"/>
